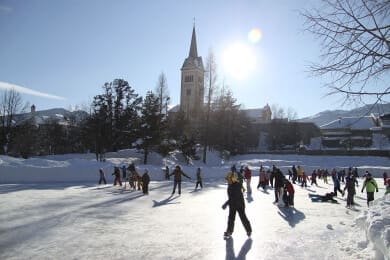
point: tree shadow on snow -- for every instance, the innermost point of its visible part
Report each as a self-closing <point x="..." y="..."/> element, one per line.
<point x="230" y="255"/>
<point x="165" y="201"/>
<point x="291" y="215"/>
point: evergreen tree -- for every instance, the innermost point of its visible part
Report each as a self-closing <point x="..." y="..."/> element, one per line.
<point x="151" y="121"/>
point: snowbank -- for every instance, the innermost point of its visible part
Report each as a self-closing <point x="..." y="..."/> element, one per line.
<point x="376" y="223"/>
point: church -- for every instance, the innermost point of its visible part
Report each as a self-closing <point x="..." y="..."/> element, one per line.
<point x="192" y="88"/>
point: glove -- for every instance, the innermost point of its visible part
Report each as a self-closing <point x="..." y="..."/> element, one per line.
<point x="377" y="190"/>
<point x="362" y="191"/>
<point x="224" y="206"/>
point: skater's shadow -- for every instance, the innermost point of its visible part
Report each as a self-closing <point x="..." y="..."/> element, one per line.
<point x="291" y="215"/>
<point x="230" y="255"/>
<point x="165" y="202"/>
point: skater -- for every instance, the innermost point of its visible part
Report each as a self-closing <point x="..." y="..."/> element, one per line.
<point x="385" y="178"/>
<point x="117" y="174"/>
<point x="248" y="176"/>
<point x="198" y="179"/>
<point x="336" y="185"/>
<point x="177" y="172"/>
<point x="279" y="186"/>
<point x="102" y="176"/>
<point x="166" y="173"/>
<point x="299" y="172"/>
<point x="350" y="187"/>
<point x="314" y="178"/>
<point x="262" y="178"/>
<point x="323" y="198"/>
<point x="304" y="180"/>
<point x="289" y="191"/>
<point x="371" y="186"/>
<point x="295" y="174"/>
<point x="236" y="204"/>
<point x="145" y="182"/>
<point x="124" y="173"/>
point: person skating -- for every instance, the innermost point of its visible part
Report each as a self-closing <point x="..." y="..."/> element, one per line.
<point x="314" y="178"/>
<point x="198" y="179"/>
<point x="166" y="173"/>
<point x="336" y="185"/>
<point x="371" y="186"/>
<point x="145" y="182"/>
<point x="304" y="179"/>
<point x="236" y="204"/>
<point x="295" y="174"/>
<point x="117" y="174"/>
<point x="289" y="189"/>
<point x="385" y="178"/>
<point x="177" y="172"/>
<point x="279" y="186"/>
<point x="350" y="187"/>
<point x="262" y="178"/>
<point x="102" y="176"/>
<point x="248" y="176"/>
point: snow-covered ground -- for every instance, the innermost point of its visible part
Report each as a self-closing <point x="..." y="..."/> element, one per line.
<point x="52" y="208"/>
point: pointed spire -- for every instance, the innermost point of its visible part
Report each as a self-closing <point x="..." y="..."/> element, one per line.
<point x="193" y="48"/>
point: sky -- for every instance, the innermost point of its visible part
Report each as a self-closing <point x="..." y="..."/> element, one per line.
<point x="52" y="208"/>
<point x="60" y="53"/>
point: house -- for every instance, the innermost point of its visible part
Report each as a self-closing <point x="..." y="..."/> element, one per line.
<point x="355" y="132"/>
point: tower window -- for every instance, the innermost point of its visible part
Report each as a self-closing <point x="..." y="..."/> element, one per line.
<point x="189" y="78"/>
<point x="188" y="92"/>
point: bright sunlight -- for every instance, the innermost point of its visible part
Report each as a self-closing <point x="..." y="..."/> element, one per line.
<point x="239" y="60"/>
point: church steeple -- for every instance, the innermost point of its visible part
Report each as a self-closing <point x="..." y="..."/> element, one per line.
<point x="192" y="82"/>
<point x="193" y="49"/>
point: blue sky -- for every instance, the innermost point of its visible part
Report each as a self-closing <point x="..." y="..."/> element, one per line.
<point x="66" y="50"/>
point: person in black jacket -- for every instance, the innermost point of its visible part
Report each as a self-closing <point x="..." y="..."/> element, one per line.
<point x="177" y="178"/>
<point x="236" y="204"/>
<point x="145" y="182"/>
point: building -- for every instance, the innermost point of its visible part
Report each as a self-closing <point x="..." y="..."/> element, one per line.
<point x="192" y="82"/>
<point x="349" y="132"/>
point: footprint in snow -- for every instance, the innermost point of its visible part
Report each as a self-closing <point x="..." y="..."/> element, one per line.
<point x="329" y="226"/>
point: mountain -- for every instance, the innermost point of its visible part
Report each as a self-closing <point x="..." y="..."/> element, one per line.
<point x="330" y="115"/>
<point x="54" y="113"/>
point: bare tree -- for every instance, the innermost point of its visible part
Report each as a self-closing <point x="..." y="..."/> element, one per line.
<point x="355" y="43"/>
<point x="277" y="112"/>
<point x="10" y="104"/>
<point x="162" y="92"/>
<point x="211" y="78"/>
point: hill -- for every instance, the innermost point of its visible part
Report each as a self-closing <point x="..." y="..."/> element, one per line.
<point x="329" y="115"/>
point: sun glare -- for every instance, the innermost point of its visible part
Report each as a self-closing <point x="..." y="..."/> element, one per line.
<point x="255" y="35"/>
<point x="239" y="60"/>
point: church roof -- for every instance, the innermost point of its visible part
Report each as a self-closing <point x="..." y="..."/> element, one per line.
<point x="193" y="60"/>
<point x="193" y="49"/>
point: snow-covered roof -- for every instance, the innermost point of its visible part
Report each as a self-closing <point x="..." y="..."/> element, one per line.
<point x="353" y="123"/>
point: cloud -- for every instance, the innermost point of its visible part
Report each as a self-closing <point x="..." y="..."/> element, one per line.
<point x="27" y="91"/>
<point x="5" y="9"/>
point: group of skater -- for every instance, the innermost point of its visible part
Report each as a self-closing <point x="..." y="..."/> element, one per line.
<point x="136" y="181"/>
<point x="130" y="175"/>
<point x="272" y="177"/>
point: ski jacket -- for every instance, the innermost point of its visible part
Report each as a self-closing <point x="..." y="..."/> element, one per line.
<point x="370" y="185"/>
<point x="145" y="178"/>
<point x="279" y="179"/>
<point x="350" y="185"/>
<point x="236" y="199"/>
<point x="177" y="174"/>
<point x="290" y="188"/>
<point x="248" y="173"/>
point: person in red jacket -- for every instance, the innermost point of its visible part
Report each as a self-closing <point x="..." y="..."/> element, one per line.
<point x="289" y="189"/>
<point x="248" y="176"/>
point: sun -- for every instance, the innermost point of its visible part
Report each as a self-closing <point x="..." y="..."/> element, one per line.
<point x="239" y="60"/>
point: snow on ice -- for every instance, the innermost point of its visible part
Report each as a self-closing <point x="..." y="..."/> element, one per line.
<point x="52" y="208"/>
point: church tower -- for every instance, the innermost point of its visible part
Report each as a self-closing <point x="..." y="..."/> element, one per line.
<point x="192" y="82"/>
